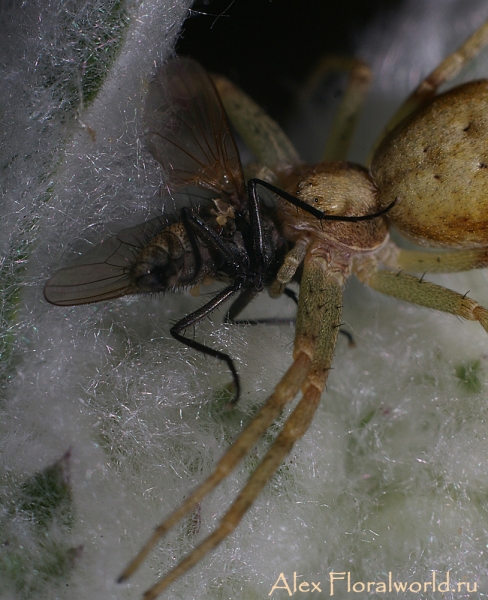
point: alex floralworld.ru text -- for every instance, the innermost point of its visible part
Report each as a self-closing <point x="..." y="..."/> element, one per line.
<point x="341" y="581"/>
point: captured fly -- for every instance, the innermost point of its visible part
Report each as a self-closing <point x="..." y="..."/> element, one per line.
<point x="230" y="237"/>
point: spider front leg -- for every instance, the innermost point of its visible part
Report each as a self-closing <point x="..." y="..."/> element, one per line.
<point x="261" y="134"/>
<point x="357" y="87"/>
<point x="265" y="138"/>
<point x="415" y="290"/>
<point x="319" y="315"/>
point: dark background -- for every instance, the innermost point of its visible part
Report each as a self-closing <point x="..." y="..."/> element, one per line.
<point x="269" y="46"/>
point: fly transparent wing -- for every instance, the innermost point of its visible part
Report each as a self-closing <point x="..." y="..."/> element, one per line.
<point x="188" y="133"/>
<point x="103" y="272"/>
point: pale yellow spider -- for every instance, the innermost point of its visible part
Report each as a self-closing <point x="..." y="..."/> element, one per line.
<point x="433" y="162"/>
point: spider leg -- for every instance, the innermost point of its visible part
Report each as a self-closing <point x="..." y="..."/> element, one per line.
<point x="445" y="72"/>
<point x="292" y="295"/>
<point x="291" y="262"/>
<point x="442" y="262"/>
<point x="415" y="290"/>
<point x="357" y="87"/>
<point x="284" y="393"/>
<point x="319" y="313"/>
<point x="261" y="134"/>
<point x="296" y="425"/>
<point x="230" y="318"/>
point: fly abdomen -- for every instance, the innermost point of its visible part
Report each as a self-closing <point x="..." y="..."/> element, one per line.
<point x="171" y="261"/>
<point x="155" y="270"/>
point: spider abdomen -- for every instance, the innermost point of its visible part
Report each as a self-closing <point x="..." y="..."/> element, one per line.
<point x="435" y="163"/>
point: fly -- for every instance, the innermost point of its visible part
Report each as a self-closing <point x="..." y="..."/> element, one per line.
<point x="230" y="237"/>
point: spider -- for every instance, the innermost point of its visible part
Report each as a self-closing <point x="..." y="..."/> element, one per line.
<point x="431" y="142"/>
<point x="325" y="251"/>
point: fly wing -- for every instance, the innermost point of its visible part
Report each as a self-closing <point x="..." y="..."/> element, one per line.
<point x="103" y="272"/>
<point x="188" y="133"/>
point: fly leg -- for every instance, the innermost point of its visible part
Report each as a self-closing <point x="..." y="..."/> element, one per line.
<point x="197" y="316"/>
<point x="243" y="300"/>
<point x="196" y="228"/>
